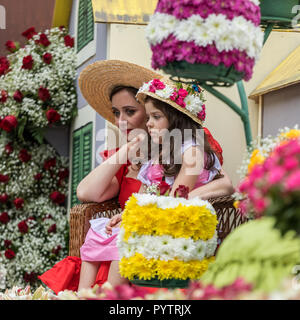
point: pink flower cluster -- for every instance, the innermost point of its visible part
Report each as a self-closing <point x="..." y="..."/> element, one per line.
<point x="183" y="9"/>
<point x="178" y="97"/>
<point x="172" y="49"/>
<point x="156" y="84"/>
<point x="198" y="291"/>
<point x="277" y="178"/>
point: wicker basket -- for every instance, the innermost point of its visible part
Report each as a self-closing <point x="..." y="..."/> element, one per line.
<point x="228" y="217"/>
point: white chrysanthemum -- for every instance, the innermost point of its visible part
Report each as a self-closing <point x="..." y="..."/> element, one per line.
<point x="165" y="93"/>
<point x="193" y="104"/>
<point x="200" y="250"/>
<point x="211" y="245"/>
<point x="203" y="37"/>
<point x="217" y="24"/>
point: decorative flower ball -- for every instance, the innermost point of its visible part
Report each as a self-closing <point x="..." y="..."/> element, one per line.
<point x="206" y="32"/>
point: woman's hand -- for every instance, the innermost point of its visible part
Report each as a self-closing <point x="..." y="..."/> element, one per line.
<point x="114" y="222"/>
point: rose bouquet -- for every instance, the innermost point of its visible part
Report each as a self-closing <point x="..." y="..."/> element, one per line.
<point x="271" y="186"/>
<point x="37" y="83"/>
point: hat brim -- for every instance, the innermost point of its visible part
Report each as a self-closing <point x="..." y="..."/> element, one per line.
<point x="141" y="96"/>
<point x="97" y="81"/>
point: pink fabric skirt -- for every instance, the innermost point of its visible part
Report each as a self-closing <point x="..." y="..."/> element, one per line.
<point x="98" y="246"/>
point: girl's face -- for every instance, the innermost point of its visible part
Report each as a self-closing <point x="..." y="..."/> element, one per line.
<point x="129" y="114"/>
<point x="157" y="122"/>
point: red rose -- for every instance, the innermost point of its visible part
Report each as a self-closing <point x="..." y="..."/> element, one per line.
<point x="63" y="173"/>
<point x="9" y="123"/>
<point x="52" y="116"/>
<point x="69" y="41"/>
<point x="23" y="227"/>
<point x="3" y="96"/>
<point x="29" y="33"/>
<point x="4" y="65"/>
<point x="24" y="156"/>
<point x="47" y="57"/>
<point x="43" y="94"/>
<point x="38" y="176"/>
<point x="163" y="188"/>
<point x="56" y="250"/>
<point x="48" y="164"/>
<point x="30" y="277"/>
<point x="4" y="217"/>
<point x="18" y="96"/>
<point x="3" y="198"/>
<point x="7" y="243"/>
<point x="57" y="197"/>
<point x="9" y="254"/>
<point x="44" y="40"/>
<point x="27" y="63"/>
<point x="182" y="191"/>
<point x="4" y="178"/>
<point x="9" y="148"/>
<point x="52" y="228"/>
<point x="19" y="202"/>
<point x="11" y="46"/>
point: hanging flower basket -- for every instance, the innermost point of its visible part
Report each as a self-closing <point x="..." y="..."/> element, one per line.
<point x="216" y="75"/>
<point x="156" y="283"/>
<point x="278" y="12"/>
<point x="205" y="41"/>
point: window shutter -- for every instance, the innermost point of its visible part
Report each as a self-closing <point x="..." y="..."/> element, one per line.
<point x="81" y="158"/>
<point x="85" y="27"/>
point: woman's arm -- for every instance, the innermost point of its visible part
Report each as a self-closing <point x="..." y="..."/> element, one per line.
<point x="215" y="188"/>
<point x="101" y="184"/>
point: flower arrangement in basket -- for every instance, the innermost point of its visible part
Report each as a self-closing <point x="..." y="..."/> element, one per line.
<point x="37" y="83"/>
<point x="204" y="40"/>
<point x="166" y="241"/>
<point x="271" y="184"/>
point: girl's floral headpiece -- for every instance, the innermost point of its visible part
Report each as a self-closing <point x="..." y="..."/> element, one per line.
<point x="189" y="99"/>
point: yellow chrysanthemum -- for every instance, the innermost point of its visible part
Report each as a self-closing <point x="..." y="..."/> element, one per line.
<point x="139" y="266"/>
<point x="256" y="158"/>
<point x="183" y="221"/>
<point x="292" y="134"/>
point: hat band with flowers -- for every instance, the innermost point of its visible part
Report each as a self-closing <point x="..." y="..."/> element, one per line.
<point x="189" y="100"/>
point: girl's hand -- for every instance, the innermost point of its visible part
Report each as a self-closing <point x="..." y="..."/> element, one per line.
<point x="114" y="222"/>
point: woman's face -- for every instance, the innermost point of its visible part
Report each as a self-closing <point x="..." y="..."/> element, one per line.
<point x="129" y="114"/>
<point x="157" y="122"/>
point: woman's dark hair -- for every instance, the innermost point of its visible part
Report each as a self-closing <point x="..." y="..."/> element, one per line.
<point x="179" y="120"/>
<point x="117" y="89"/>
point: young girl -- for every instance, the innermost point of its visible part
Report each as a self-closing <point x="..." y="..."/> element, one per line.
<point x="166" y="109"/>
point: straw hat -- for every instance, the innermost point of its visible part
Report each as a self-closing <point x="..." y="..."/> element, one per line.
<point x="190" y="103"/>
<point x="97" y="81"/>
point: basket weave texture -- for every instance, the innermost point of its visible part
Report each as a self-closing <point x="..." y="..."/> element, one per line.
<point x="228" y="216"/>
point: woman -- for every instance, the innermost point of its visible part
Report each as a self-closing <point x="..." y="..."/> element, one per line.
<point x="110" y="88"/>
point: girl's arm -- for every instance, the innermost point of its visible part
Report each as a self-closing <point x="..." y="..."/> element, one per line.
<point x="190" y="169"/>
<point x="215" y="188"/>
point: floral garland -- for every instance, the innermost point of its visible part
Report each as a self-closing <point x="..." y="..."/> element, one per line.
<point x="33" y="220"/>
<point x="218" y="32"/>
<point x="160" y="243"/>
<point x="190" y="99"/>
<point x="37" y="82"/>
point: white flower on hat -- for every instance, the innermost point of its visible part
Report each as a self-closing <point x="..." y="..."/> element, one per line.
<point x="165" y="93"/>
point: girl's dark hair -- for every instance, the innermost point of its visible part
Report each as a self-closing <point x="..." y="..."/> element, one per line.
<point x="179" y="120"/>
<point x="117" y="89"/>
